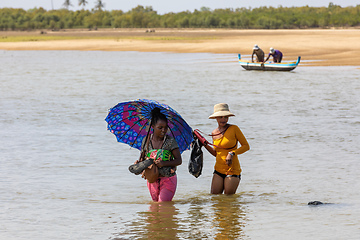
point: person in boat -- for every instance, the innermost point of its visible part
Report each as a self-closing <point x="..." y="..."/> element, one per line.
<point x="259" y="54"/>
<point x="158" y="159"/>
<point x="227" y="174"/>
<point x="277" y="55"/>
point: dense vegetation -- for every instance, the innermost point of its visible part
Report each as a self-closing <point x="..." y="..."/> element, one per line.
<point x="146" y="17"/>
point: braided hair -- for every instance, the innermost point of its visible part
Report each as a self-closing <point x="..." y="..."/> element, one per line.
<point x="156" y="115"/>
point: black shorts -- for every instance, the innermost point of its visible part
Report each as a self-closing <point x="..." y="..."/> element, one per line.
<point x="225" y="176"/>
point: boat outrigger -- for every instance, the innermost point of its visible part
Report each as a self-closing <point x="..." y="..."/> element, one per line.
<point x="268" y="66"/>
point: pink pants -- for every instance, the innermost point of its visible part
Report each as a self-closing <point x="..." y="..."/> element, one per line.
<point x="163" y="189"/>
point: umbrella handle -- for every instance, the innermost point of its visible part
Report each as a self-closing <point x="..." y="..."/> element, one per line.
<point x="147" y="136"/>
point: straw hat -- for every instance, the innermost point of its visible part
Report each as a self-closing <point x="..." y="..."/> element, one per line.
<point x="221" y="110"/>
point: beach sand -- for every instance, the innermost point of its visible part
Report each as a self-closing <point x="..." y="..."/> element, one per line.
<point x="317" y="47"/>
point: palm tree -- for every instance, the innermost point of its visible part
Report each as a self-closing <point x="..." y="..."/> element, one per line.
<point x="99" y="4"/>
<point x="82" y="2"/>
<point x="67" y="3"/>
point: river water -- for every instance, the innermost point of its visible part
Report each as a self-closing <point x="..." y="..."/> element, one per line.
<point x="64" y="176"/>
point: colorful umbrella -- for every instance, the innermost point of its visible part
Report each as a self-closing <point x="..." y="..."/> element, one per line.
<point x="130" y="122"/>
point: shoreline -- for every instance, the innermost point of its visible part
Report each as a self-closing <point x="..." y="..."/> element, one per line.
<point x="317" y="47"/>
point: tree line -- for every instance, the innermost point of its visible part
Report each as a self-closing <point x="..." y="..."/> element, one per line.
<point x="147" y="17"/>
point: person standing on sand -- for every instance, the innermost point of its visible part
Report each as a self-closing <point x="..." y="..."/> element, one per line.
<point x="259" y="54"/>
<point x="277" y="55"/>
<point x="227" y="174"/>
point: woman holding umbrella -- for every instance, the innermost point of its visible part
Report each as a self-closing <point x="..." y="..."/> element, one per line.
<point x="161" y="135"/>
<point x="161" y="187"/>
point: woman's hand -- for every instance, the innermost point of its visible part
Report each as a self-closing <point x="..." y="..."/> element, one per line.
<point x="228" y="159"/>
<point x="159" y="163"/>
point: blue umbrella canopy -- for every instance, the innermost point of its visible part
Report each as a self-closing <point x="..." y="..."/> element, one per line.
<point x="130" y="123"/>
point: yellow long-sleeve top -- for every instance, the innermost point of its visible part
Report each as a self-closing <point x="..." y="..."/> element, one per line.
<point x="229" y="143"/>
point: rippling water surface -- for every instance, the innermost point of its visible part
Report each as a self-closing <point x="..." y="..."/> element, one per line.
<point x="64" y="176"/>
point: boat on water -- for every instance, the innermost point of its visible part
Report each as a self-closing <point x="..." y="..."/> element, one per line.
<point x="268" y="66"/>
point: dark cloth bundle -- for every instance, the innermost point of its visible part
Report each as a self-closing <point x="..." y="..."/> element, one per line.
<point x="196" y="158"/>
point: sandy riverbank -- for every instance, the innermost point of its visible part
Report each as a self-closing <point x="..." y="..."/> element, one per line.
<point x="316" y="47"/>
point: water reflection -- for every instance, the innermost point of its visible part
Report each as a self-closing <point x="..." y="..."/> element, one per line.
<point x="159" y="222"/>
<point x="203" y="217"/>
<point x="229" y="217"/>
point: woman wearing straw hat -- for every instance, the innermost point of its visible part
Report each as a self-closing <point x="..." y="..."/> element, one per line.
<point x="227" y="174"/>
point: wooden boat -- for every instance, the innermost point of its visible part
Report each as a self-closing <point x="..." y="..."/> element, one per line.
<point x="268" y="66"/>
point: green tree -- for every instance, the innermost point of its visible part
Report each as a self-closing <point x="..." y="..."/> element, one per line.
<point x="211" y="21"/>
<point x="99" y="5"/>
<point x="83" y="3"/>
<point x="67" y="4"/>
<point x="184" y="22"/>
